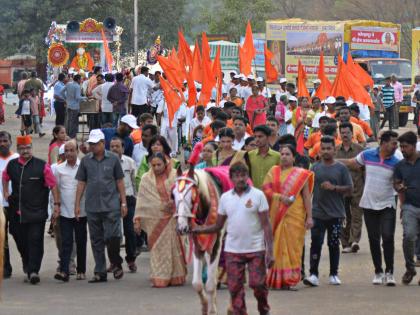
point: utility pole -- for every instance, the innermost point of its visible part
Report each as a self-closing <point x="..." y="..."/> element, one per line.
<point x="136" y="34"/>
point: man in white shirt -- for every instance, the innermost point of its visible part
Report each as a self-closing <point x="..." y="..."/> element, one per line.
<point x="129" y="168"/>
<point x="239" y="130"/>
<point x="65" y="174"/>
<point x="289" y="115"/>
<point x="264" y="91"/>
<point x="140" y="149"/>
<point x="5" y="156"/>
<point x="200" y="120"/>
<point x="139" y="89"/>
<point x="245" y="90"/>
<point x="245" y="206"/>
<point x="282" y="90"/>
<point x="101" y="93"/>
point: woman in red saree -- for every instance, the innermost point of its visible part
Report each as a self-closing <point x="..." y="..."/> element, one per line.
<point x="256" y="108"/>
<point x="288" y="191"/>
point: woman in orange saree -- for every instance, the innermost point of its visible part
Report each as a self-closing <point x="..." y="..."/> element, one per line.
<point x="155" y="214"/>
<point x="288" y="191"/>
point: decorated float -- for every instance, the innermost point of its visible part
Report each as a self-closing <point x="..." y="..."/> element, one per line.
<point x="79" y="46"/>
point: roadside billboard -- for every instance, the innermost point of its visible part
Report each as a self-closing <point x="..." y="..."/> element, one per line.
<point x="415" y="60"/>
<point x="374" y="38"/>
<point x="290" y="41"/>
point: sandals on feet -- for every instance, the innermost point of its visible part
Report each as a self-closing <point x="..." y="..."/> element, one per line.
<point x="97" y="278"/>
<point x="118" y="273"/>
<point x="81" y="276"/>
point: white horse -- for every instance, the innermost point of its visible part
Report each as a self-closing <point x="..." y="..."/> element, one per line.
<point x="196" y="195"/>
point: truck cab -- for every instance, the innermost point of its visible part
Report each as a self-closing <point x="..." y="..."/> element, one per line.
<point x="381" y="68"/>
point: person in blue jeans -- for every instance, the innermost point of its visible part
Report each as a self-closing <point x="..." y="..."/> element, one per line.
<point x="332" y="183"/>
<point x="65" y="174"/>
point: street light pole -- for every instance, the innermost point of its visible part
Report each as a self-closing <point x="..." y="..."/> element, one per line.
<point x="136" y="35"/>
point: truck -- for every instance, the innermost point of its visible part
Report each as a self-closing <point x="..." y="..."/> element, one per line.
<point x="375" y="45"/>
<point x="12" y="67"/>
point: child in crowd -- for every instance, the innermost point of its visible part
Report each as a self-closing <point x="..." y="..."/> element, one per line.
<point x="35" y="108"/>
<point x="24" y="111"/>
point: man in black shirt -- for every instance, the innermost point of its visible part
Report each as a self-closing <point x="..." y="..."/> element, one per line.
<point x="407" y="184"/>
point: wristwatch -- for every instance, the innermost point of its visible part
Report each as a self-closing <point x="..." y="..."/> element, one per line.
<point x="123" y="205"/>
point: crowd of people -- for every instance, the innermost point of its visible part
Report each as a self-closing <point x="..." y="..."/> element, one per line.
<point x="313" y="166"/>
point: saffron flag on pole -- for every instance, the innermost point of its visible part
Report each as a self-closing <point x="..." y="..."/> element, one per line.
<point x="271" y="74"/>
<point x="208" y="78"/>
<point x="217" y="72"/>
<point x="324" y="89"/>
<point x="172" y="70"/>
<point x="197" y="71"/>
<point x="301" y="84"/>
<point x="184" y="51"/>
<point x="357" y="71"/>
<point x="247" y="52"/>
<point x="205" y="47"/>
<point x="192" y="91"/>
<point x="108" y="56"/>
<point x="172" y="99"/>
<point x="345" y="84"/>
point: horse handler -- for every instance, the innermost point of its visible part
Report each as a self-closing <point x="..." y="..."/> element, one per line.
<point x="245" y="206"/>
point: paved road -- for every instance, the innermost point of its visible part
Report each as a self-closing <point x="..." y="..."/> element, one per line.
<point x="133" y="294"/>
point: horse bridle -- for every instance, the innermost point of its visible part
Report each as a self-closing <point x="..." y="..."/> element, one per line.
<point x="194" y="191"/>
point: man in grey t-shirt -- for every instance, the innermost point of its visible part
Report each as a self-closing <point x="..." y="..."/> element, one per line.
<point x="101" y="175"/>
<point x="332" y="182"/>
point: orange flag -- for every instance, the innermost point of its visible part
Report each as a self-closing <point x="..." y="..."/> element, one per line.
<point x="192" y="91"/>
<point x="217" y="72"/>
<point x="301" y="84"/>
<point x="172" y="70"/>
<point x="271" y="73"/>
<point x="208" y="83"/>
<point x="345" y="84"/>
<point x="357" y="71"/>
<point x="172" y="99"/>
<point x="108" y="55"/>
<point x="324" y="90"/>
<point x="197" y="71"/>
<point x="247" y="52"/>
<point x="184" y="51"/>
<point x="205" y="47"/>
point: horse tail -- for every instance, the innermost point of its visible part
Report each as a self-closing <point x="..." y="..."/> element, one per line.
<point x="2" y="240"/>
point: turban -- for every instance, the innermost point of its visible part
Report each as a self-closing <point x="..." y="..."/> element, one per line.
<point x="24" y="140"/>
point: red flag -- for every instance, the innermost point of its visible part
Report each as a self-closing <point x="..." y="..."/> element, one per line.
<point x="271" y="73"/>
<point x="172" y="99"/>
<point x="217" y="72"/>
<point x="192" y="91"/>
<point x="324" y="89"/>
<point x="184" y="51"/>
<point x="108" y="55"/>
<point x="197" y="71"/>
<point x="247" y="52"/>
<point x="301" y="84"/>
<point x="357" y="71"/>
<point x="346" y="85"/>
<point x="172" y="70"/>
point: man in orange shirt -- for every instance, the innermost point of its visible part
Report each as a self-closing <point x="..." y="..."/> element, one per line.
<point x="142" y="120"/>
<point x="329" y="130"/>
<point x="355" y="112"/>
<point x="315" y="137"/>
<point x="358" y="134"/>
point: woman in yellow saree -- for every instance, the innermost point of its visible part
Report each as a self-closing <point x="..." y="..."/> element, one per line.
<point x="288" y="190"/>
<point x="155" y="214"/>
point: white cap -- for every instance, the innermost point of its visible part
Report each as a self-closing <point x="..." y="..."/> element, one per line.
<point x="130" y="120"/>
<point x="210" y="105"/>
<point x="197" y="85"/>
<point x="61" y="149"/>
<point x="283" y="80"/>
<point x="251" y="77"/>
<point x="292" y="98"/>
<point x="330" y="100"/>
<point x="349" y="102"/>
<point x="233" y="71"/>
<point x="316" y="81"/>
<point x="185" y="82"/>
<point x="242" y="76"/>
<point x="236" y="76"/>
<point x="95" y="136"/>
<point x="259" y="79"/>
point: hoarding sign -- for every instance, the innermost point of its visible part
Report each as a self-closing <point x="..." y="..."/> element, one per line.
<point x="374" y="38"/>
